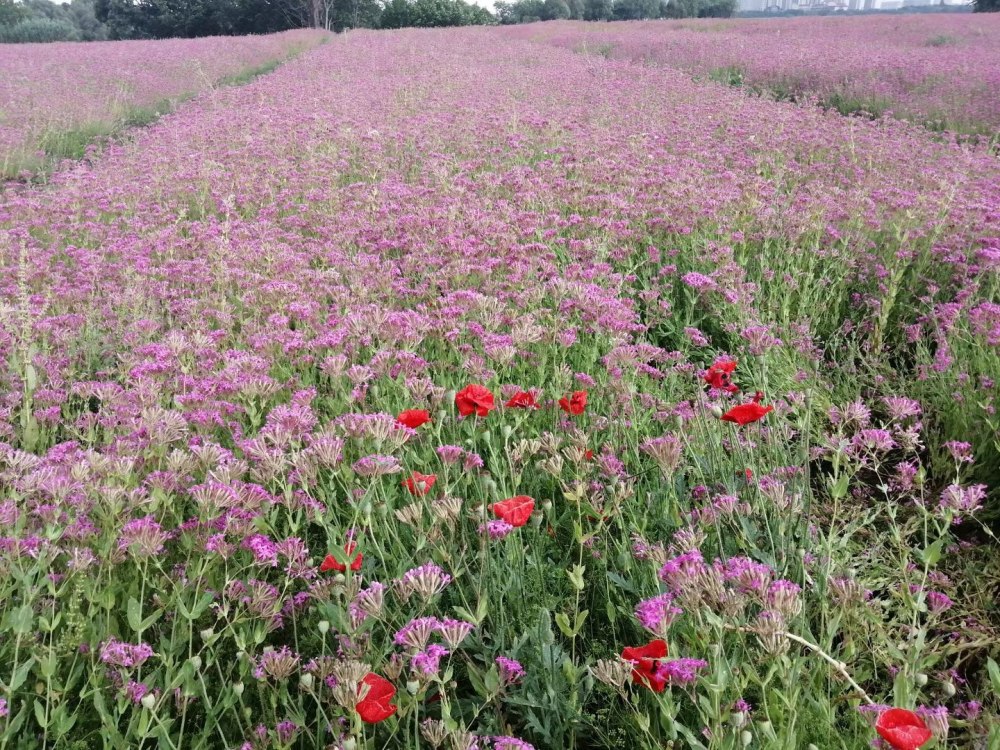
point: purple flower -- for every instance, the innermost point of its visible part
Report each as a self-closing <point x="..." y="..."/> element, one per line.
<point x="657" y="613"/>
<point x="510" y="670"/>
<point x="428" y="661"/>
<point x="496" y="529"/>
<point x="683" y="671"/>
<point x="118" y="654"/>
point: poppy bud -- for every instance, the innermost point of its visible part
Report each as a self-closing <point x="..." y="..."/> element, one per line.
<point x="306" y="681"/>
<point x="737" y="719"/>
<point x="716" y="411"/>
<point x="921" y="679"/>
<point x="812" y="747"/>
<point x="248" y="713"/>
<point x="148" y="701"/>
<point x="507" y="431"/>
<point x="349" y="744"/>
<point x="546" y="505"/>
<point x="746" y="738"/>
<point x="238" y="688"/>
<point x="948" y="688"/>
<point x="324" y="627"/>
<point x="206" y="634"/>
<point x="196" y="662"/>
<point x="412" y="686"/>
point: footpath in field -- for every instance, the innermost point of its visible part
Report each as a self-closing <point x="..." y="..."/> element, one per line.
<point x="56" y="100"/>
<point x="400" y="392"/>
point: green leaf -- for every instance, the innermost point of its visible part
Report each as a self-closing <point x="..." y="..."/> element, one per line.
<point x="575" y="576"/>
<point x="40" y="714"/>
<point x="932" y="554"/>
<point x="20" y="620"/>
<point x="133" y="611"/>
<point x="562" y="620"/>
<point x="20" y="675"/>
<point x="492" y="680"/>
<point x="994" y="670"/>
<point x="477" y="682"/>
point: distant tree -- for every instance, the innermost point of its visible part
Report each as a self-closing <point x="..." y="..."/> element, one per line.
<point x="11" y="12"/>
<point x="700" y="8"/>
<point x="577" y="9"/>
<point x="39" y="30"/>
<point x="555" y="10"/>
<point x="597" y="10"/>
<point x="986" y="6"/>
<point x="631" y="10"/>
<point x="83" y="16"/>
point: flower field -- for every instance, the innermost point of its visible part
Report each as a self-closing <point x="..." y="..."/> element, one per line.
<point x="444" y="389"/>
<point x="942" y="71"/>
<point x="55" y="99"/>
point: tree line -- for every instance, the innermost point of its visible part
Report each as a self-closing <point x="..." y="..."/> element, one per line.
<point x="529" y="11"/>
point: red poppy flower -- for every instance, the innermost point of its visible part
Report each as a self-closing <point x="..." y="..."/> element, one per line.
<point x="330" y="562"/>
<point x="748" y="474"/>
<point x="589" y="455"/>
<point x="375" y="705"/>
<point x="523" y="400"/>
<point x="474" y="399"/>
<point x="575" y="404"/>
<point x="413" y="418"/>
<point x="419" y="484"/>
<point x="645" y="664"/>
<point x="902" y="729"/>
<point x="746" y="413"/>
<point x="718" y="376"/>
<point x="514" y="510"/>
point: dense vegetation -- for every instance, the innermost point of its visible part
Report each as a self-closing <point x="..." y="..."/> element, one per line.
<point x="481" y="388"/>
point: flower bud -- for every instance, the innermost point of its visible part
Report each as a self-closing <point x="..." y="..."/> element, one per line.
<point x="412" y="686"/>
<point x="238" y="688"/>
<point x="746" y="738"/>
<point x="196" y="662"/>
<point x="148" y="701"/>
<point x="921" y="679"/>
<point x="206" y="634"/>
<point x="737" y="719"/>
<point x="324" y="627"/>
<point x="306" y="681"/>
<point x="716" y="411"/>
<point x="507" y="431"/>
<point x="349" y="744"/>
<point x="948" y="688"/>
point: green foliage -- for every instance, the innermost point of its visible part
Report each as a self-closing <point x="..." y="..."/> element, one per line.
<point x="701" y="8"/>
<point x="986" y="6"/>
<point x="39" y="30"/>
<point x="45" y="21"/>
<point x="633" y="10"/>
<point x="433" y="13"/>
<point x="555" y="10"/>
